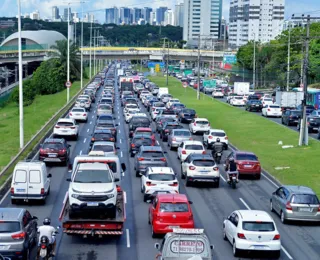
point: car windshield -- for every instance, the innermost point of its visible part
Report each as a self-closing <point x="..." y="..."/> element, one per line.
<point x="218" y="134"/>
<point x="139" y="120"/>
<point x="197" y="147"/>
<point x="93" y="176"/>
<point x="104" y="107"/>
<point x="161" y="177"/>
<point x="204" y="163"/>
<point x="189" y="111"/>
<point x="258" y="226"/>
<point x="304" y="199"/>
<point x="173" y="207"/>
<point x="102" y="136"/>
<point x="155" y="154"/>
<point x="105" y="117"/>
<point x="65" y="123"/>
<point x="78" y="110"/>
<point x="182" y="133"/>
<point x="246" y="157"/>
<point x="54" y="146"/>
<point x="147" y="133"/>
<point x="103" y="148"/>
<point x="142" y="141"/>
<point x="9" y="226"/>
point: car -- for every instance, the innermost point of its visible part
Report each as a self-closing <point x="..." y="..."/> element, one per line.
<point x="66" y="127"/>
<point x="171" y="101"/>
<point x="210" y="137"/>
<point x="200" y="168"/>
<point x="150" y="102"/>
<point x="230" y="96"/>
<point x="167" y="126"/>
<point x="102" y="135"/>
<point x="104" y="109"/>
<point x="188" y="147"/>
<point x="137" y="87"/>
<point x="217" y="93"/>
<point x="78" y="114"/>
<point x="131" y="107"/>
<point x="290" y="117"/>
<point x="315" y="113"/>
<point x="247" y="163"/>
<point x="160" y="120"/>
<point x="237" y="101"/>
<point x="149" y="156"/>
<point x="177" y="107"/>
<point x="104" y="146"/>
<point x="313" y="124"/>
<point x="168" y="113"/>
<point x="199" y="125"/>
<point x="155" y="105"/>
<point x="54" y="150"/>
<point x="157" y="180"/>
<point x="252" y="230"/>
<point x="137" y="141"/>
<point x="187" y="115"/>
<point x="259" y="94"/>
<point x="105" y="122"/>
<point x="266" y="101"/>
<point x="144" y="93"/>
<point x="83" y="102"/>
<point x="254" y="97"/>
<point x="309" y="109"/>
<point x="129" y="100"/>
<point x="138" y="120"/>
<point x="162" y="210"/>
<point x="129" y="114"/>
<point x="145" y="131"/>
<point x="177" y="136"/>
<point x="271" y="110"/>
<point x="298" y="203"/>
<point x="156" y="111"/>
<point x="165" y="98"/>
<point x="253" y="105"/>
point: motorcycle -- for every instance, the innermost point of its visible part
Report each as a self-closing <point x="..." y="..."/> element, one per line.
<point x="217" y="156"/>
<point x="233" y="179"/>
<point x="45" y="252"/>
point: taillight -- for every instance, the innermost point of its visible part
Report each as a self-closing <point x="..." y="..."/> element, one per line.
<point x="84" y="114"/>
<point x="319" y="208"/>
<point x="41" y="151"/>
<point x="92" y="139"/>
<point x="215" y="168"/>
<point x="153" y="109"/>
<point x="288" y="206"/>
<point x="112" y="139"/>
<point x="148" y="183"/>
<point x="241" y="236"/>
<point x="19" y="236"/>
<point x="194" y="123"/>
<point x="184" y="152"/>
<point x="192" y="168"/>
<point x="43" y="246"/>
<point x="210" y="137"/>
<point x="204" y="152"/>
<point x="174" y="139"/>
<point x="70" y="114"/>
<point x="208" y="124"/>
<point x="268" y="109"/>
<point x="42" y="191"/>
<point x="276" y="237"/>
<point x="72" y="127"/>
<point x="57" y="127"/>
<point x="226" y="137"/>
<point x="118" y="188"/>
<point x="132" y="145"/>
<point x="190" y="217"/>
<point x="12" y="190"/>
<point x="62" y="151"/>
<point x="190" y="138"/>
<point x="163" y="159"/>
<point x="140" y="159"/>
<point x="175" y="184"/>
<point x="167" y="131"/>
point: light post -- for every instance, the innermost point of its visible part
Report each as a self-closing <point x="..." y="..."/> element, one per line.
<point x="254" y="62"/>
<point x="242" y="69"/>
<point x="288" y="61"/>
<point x="212" y="56"/>
<point x="68" y="55"/>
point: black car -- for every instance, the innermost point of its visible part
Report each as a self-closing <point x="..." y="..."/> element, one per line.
<point x="164" y="133"/>
<point x="161" y="120"/>
<point x="177" y="107"/>
<point x="186" y="115"/>
<point x="105" y="124"/>
<point x="137" y="141"/>
<point x="138" y="121"/>
<point x="253" y="97"/>
<point x="102" y="135"/>
<point x="313" y="123"/>
<point x="254" y="105"/>
<point x="290" y="117"/>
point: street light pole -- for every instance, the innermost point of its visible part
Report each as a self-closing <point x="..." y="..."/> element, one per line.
<point x="254" y="61"/>
<point x="81" y="84"/>
<point x="288" y="62"/>
<point x="167" y="65"/>
<point x="68" y="55"/>
<point x="21" y="129"/>
<point x="90" y="51"/>
<point x="212" y="56"/>
<point x="198" y="89"/>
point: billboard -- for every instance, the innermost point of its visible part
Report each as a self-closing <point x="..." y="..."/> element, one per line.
<point x="229" y="59"/>
<point x="152" y="64"/>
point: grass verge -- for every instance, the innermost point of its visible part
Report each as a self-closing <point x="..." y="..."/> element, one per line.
<point x="250" y="132"/>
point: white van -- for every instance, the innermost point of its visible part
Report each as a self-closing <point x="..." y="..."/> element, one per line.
<point x="30" y="181"/>
<point x="162" y="91"/>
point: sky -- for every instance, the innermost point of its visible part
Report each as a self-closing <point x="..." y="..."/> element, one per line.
<point x="9" y="8"/>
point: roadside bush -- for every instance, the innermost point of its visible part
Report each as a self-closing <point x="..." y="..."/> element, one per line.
<point x="29" y="93"/>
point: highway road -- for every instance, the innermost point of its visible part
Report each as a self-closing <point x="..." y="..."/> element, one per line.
<point x="210" y="207"/>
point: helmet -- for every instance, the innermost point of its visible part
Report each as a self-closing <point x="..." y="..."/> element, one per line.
<point x="47" y="221"/>
<point x="231" y="159"/>
<point x="218" y="140"/>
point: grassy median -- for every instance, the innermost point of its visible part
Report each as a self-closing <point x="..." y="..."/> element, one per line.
<point x="250" y="132"/>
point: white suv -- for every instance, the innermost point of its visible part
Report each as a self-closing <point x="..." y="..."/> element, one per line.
<point x="92" y="187"/>
<point x="210" y="137"/>
<point x="156" y="111"/>
<point x="199" y="125"/>
<point x="66" y="127"/>
<point x="252" y="230"/>
<point x="188" y="147"/>
<point x="237" y="101"/>
<point x="79" y="113"/>
<point x="157" y="180"/>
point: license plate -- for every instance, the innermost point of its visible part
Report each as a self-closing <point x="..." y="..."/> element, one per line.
<point x="247" y="166"/>
<point x="162" y="192"/>
<point x="202" y="126"/>
<point x="4" y="247"/>
<point x="172" y="227"/>
<point x="315" y="128"/>
<point x="204" y="171"/>
<point x="305" y="209"/>
<point x="52" y="155"/>
<point x="20" y="190"/>
<point x="65" y="131"/>
<point x="92" y="204"/>
<point x="258" y="247"/>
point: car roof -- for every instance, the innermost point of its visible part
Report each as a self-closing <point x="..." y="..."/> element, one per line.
<point x="162" y="170"/>
<point x="172" y="198"/>
<point x="255" y="215"/>
<point x="196" y="156"/>
<point x="299" y="189"/>
<point x="54" y="140"/>
<point x="11" y="214"/>
<point x="150" y="148"/>
<point x="102" y="131"/>
<point x="103" y="143"/>
<point x="192" y="142"/>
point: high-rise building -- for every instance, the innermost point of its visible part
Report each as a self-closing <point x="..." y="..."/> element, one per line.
<point x="178" y="15"/>
<point x="55" y="13"/>
<point x="169" y="17"/>
<point x="125" y="15"/>
<point x="153" y="18"/>
<point x="35" y="15"/>
<point x="112" y="15"/>
<point x="146" y="11"/>
<point x="160" y="14"/>
<point x="136" y="14"/>
<point x="201" y="17"/>
<point x="259" y="20"/>
<point x="65" y="14"/>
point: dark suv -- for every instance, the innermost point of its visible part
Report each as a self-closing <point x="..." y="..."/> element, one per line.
<point x="186" y="115"/>
<point x="290" y="117"/>
<point x="102" y="135"/>
<point x="164" y="133"/>
<point x="54" y="150"/>
<point x="137" y="141"/>
<point x="138" y="121"/>
<point x="313" y="123"/>
<point x="254" y="105"/>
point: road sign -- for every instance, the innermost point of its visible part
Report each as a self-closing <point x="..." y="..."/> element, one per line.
<point x="68" y="84"/>
<point x="185" y="84"/>
<point x="157" y="68"/>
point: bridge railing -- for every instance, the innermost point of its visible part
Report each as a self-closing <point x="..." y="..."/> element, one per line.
<point x="25" y="48"/>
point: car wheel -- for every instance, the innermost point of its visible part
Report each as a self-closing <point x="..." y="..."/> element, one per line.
<point x="154" y="235"/>
<point x="224" y="235"/>
<point x="235" y="250"/>
<point x="216" y="184"/>
<point x="137" y="174"/>
<point x="277" y="254"/>
<point x="188" y="183"/>
<point x="257" y="176"/>
<point x="282" y="217"/>
<point x="26" y="254"/>
<point x="271" y="206"/>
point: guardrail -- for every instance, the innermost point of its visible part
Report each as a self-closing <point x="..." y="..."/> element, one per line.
<point x="35" y="142"/>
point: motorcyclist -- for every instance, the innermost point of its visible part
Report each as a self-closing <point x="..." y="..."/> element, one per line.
<point x="48" y="231"/>
<point x="232" y="168"/>
<point x="217" y="147"/>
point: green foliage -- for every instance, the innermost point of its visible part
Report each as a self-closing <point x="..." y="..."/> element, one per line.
<point x="29" y="93"/>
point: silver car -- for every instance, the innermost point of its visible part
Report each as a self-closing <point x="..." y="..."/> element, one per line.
<point x="18" y="232"/>
<point x="177" y="136"/>
<point x="295" y="203"/>
<point x="104" y="109"/>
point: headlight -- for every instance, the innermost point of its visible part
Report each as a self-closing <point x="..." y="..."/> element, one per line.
<point x="110" y="196"/>
<point x="75" y="196"/>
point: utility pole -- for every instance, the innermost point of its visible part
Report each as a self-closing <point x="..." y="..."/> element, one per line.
<point x="212" y="56"/>
<point x="301" y="72"/>
<point x="288" y="62"/>
<point x="90" y="51"/>
<point x="68" y="55"/>
<point x="167" y="66"/>
<point x="254" y="62"/>
<point x="198" y="89"/>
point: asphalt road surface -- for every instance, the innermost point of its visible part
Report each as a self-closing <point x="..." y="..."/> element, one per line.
<point x="210" y="207"/>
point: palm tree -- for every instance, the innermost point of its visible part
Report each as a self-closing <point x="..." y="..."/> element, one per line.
<point x="61" y="54"/>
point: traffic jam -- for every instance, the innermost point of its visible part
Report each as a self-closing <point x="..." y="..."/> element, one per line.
<point x="172" y="154"/>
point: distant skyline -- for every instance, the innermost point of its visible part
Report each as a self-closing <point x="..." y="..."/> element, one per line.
<point x="8" y="8"/>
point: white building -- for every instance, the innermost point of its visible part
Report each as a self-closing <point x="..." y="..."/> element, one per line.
<point x="142" y="21"/>
<point x="35" y="15"/>
<point x="201" y="17"/>
<point x="169" y="17"/>
<point x="259" y="20"/>
<point x="153" y="20"/>
<point x="178" y="15"/>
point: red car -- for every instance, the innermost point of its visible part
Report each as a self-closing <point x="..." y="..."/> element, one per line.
<point x="169" y="211"/>
<point x="146" y="131"/>
<point x="259" y="94"/>
<point x="54" y="150"/>
<point x="247" y="163"/>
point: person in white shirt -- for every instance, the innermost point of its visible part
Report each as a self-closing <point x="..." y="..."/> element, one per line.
<point x="48" y="231"/>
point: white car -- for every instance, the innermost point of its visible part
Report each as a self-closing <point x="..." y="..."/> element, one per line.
<point x="237" y="101"/>
<point x="156" y="112"/>
<point x="252" y="230"/>
<point x="83" y="102"/>
<point x="272" y="110"/>
<point x="210" y="137"/>
<point x="78" y="114"/>
<point x="188" y="147"/>
<point x="199" y="125"/>
<point x="217" y="93"/>
<point x="158" y="179"/>
<point x="104" y="146"/>
<point x="267" y="101"/>
<point x="131" y="107"/>
<point x="144" y="93"/>
<point x="171" y="101"/>
<point x="66" y="127"/>
<point x="129" y="114"/>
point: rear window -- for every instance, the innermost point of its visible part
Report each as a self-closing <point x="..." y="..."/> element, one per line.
<point x="20" y="176"/>
<point x="106" y="100"/>
<point x="296" y="113"/>
<point x="65" y="123"/>
<point x="142" y="141"/>
<point x="161" y="177"/>
<point x="194" y="147"/>
<point x="274" y="106"/>
<point x="204" y="163"/>
<point x="34" y="176"/>
<point x="9" y="227"/>
<point x="315" y="119"/>
<point x="189" y="111"/>
<point x="55" y="146"/>
<point x="159" y="105"/>
<point x="182" y="133"/>
<point x="267" y="99"/>
<point x="304" y="199"/>
<point x="246" y="157"/>
<point x="78" y="110"/>
<point x="173" y="126"/>
<point x="148" y="133"/>
<point x="168" y="112"/>
<point x="105" y="117"/>
<point x="103" y="148"/>
<point x="237" y="97"/>
<point x="138" y="120"/>
<point x="218" y="134"/>
<point x="108" y="125"/>
<point x="258" y="226"/>
<point x="202" y="122"/>
<point x="155" y="154"/>
<point x="176" y="207"/>
<point x="178" y="105"/>
<point x="105" y="136"/>
<point x="105" y="107"/>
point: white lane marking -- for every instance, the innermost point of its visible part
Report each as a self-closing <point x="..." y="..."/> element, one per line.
<point x="120" y="141"/>
<point x="80" y="152"/>
<point x="85" y="139"/>
<point x="119" y="131"/>
<point x="223" y="178"/>
<point x="5" y="196"/>
<point x="157" y="143"/>
<point x="128" y="238"/>
<point x="121" y="154"/>
<point x="269" y="180"/>
<point x="244" y="203"/>
<point x="119" y="124"/>
<point x="90" y="122"/>
<point x="119" y="117"/>
<point x="92" y="116"/>
<point x="122" y="173"/>
<point x="125" y="197"/>
<point x="88" y="131"/>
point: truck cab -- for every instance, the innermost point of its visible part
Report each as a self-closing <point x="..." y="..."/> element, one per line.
<point x="185" y="244"/>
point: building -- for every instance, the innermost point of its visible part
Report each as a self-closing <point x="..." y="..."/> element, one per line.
<point x="169" y="17"/>
<point x="223" y="29"/>
<point x="55" y="13"/>
<point x="153" y="18"/>
<point x="136" y="14"/>
<point x="178" y="15"/>
<point x="293" y="23"/>
<point x="7" y="23"/>
<point x="160" y="14"/>
<point x="65" y="14"/>
<point x="35" y="15"/>
<point x="112" y="15"/>
<point x="259" y="20"/>
<point x="142" y="21"/>
<point x="146" y="12"/>
<point x="125" y="15"/>
<point x="201" y="18"/>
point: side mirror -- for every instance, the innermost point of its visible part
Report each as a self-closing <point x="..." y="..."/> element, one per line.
<point x="190" y="202"/>
<point x="157" y="246"/>
<point x="211" y="247"/>
<point x="123" y="166"/>
<point x="68" y="179"/>
<point x="49" y="175"/>
<point x="116" y="179"/>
